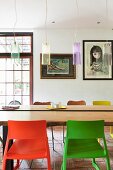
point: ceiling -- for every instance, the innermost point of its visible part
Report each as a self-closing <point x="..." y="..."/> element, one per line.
<point x="65" y="13"/>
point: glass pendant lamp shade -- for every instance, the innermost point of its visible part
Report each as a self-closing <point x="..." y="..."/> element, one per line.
<point x="15" y="52"/>
<point x="76" y="53"/>
<point x="107" y="47"/>
<point x="46" y="46"/>
<point x="107" y="53"/>
<point x="45" y="54"/>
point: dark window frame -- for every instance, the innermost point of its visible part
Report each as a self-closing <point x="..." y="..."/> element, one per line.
<point x="22" y="55"/>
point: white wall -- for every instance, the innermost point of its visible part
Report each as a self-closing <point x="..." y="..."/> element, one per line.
<point x="56" y="90"/>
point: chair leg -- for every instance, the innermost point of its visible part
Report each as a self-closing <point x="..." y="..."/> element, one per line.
<point x="95" y="164"/>
<point x="108" y="163"/>
<point x="98" y="140"/>
<point x="31" y="164"/>
<point x="17" y="165"/>
<point x="49" y="165"/>
<point x="63" y="164"/>
<point x="4" y="164"/>
<point x="62" y="167"/>
<point x="63" y="134"/>
<point x="1" y="140"/>
<point x="111" y="131"/>
<point x="52" y="137"/>
<point x="49" y="160"/>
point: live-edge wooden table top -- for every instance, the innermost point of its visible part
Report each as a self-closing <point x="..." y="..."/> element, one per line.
<point x="59" y="116"/>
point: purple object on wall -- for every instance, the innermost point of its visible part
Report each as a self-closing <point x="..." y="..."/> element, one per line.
<point x="76" y="53"/>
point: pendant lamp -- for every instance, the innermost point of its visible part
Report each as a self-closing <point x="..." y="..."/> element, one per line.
<point x="46" y="45"/>
<point x="45" y="54"/>
<point x="15" y="51"/>
<point x="107" y="48"/>
<point x="107" y="53"/>
<point x="76" y="53"/>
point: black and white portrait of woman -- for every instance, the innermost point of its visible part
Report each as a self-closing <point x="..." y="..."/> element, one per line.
<point x="97" y="60"/>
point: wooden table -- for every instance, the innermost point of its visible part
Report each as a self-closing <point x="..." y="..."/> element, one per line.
<point x="34" y="112"/>
<point x="55" y="117"/>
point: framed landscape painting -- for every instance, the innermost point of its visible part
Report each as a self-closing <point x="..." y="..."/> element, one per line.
<point x="97" y="60"/>
<point x="61" y="67"/>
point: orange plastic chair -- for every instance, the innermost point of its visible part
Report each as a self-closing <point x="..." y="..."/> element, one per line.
<point x="29" y="142"/>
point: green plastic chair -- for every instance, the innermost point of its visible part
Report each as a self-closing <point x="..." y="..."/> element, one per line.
<point x="104" y="103"/>
<point x="82" y="142"/>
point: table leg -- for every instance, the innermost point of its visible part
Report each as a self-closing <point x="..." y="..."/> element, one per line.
<point x="9" y="164"/>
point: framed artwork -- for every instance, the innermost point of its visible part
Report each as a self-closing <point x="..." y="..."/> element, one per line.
<point x="97" y="60"/>
<point x="61" y="67"/>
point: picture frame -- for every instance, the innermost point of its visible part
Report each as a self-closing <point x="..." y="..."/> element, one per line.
<point x="61" y="67"/>
<point x="97" y="60"/>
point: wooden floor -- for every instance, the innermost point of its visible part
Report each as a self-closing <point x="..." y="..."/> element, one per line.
<point x="56" y="156"/>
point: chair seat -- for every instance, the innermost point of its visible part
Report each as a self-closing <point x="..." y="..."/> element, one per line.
<point x="27" y="149"/>
<point x="85" y="148"/>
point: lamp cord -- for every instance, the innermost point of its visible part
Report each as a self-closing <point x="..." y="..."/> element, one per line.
<point x="46" y="23"/>
<point x="106" y="19"/>
<point x="106" y="11"/>
<point x="77" y="15"/>
<point x="15" y="10"/>
<point x="77" y="8"/>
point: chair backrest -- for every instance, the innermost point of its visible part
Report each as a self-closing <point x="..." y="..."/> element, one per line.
<point x="42" y="103"/>
<point x="85" y="129"/>
<point x="102" y="102"/>
<point x="27" y="129"/>
<point x="76" y="102"/>
<point x="15" y="102"/>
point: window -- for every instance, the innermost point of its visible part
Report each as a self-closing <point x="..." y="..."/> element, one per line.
<point x="16" y="75"/>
